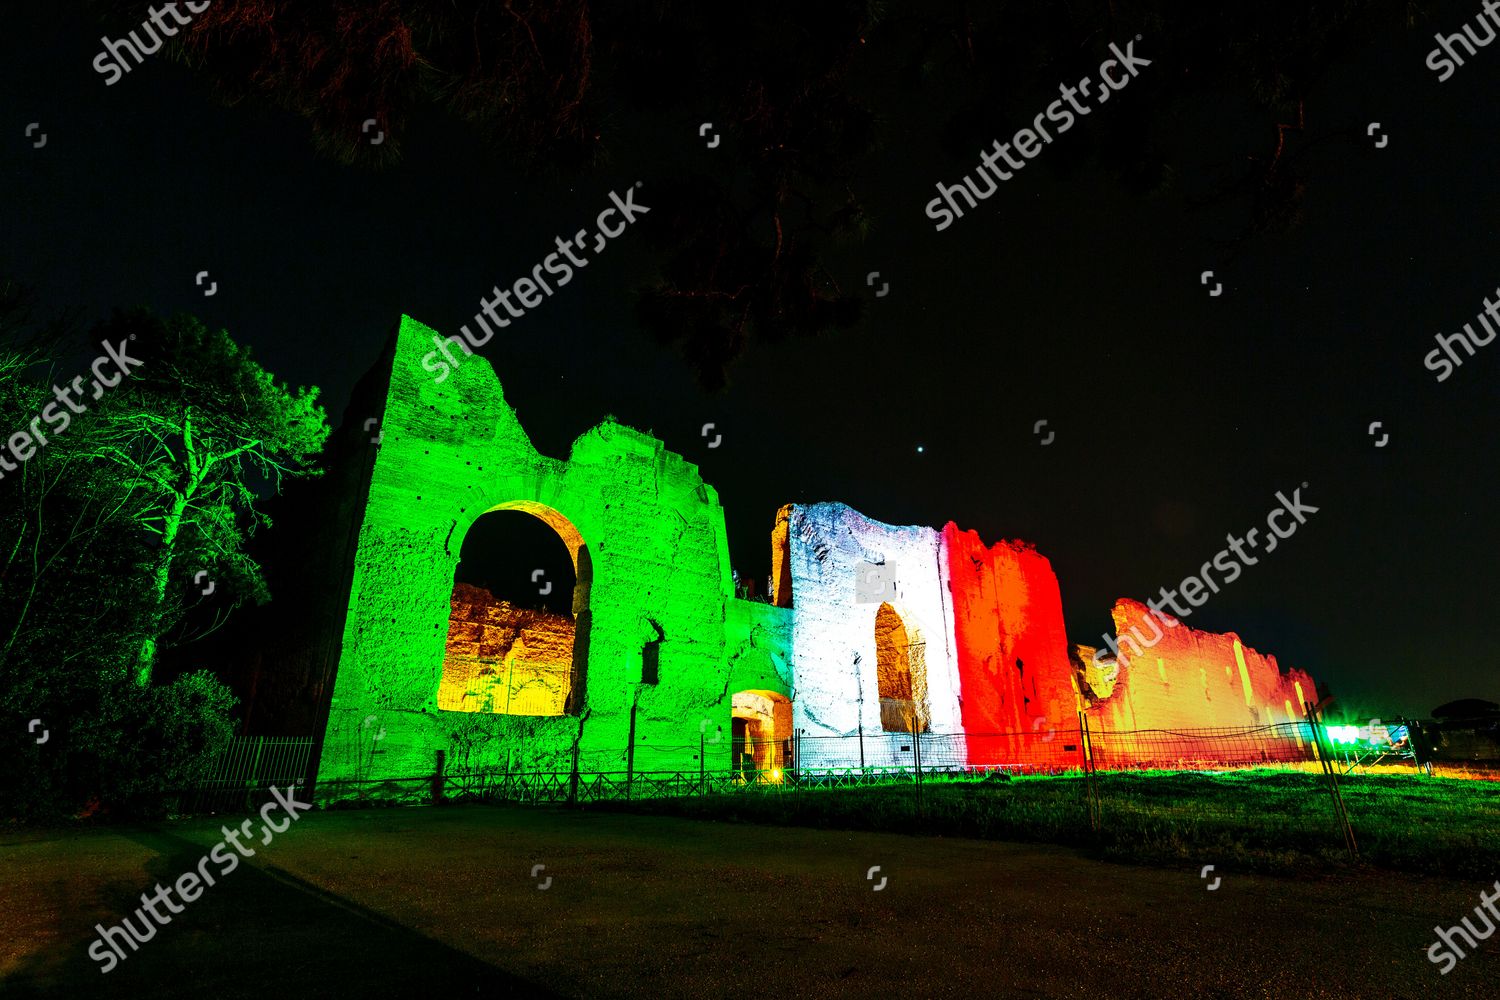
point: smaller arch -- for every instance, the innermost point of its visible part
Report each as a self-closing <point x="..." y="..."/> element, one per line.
<point x="761" y="731"/>
<point x="900" y="674"/>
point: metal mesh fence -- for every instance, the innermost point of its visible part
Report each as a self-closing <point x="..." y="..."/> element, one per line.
<point x="906" y="756"/>
<point x="1200" y="749"/>
<point x="1304" y="788"/>
<point x="246" y="770"/>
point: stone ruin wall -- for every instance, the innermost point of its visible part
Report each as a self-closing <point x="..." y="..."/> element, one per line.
<point x="833" y="642"/>
<point x="1191" y="679"/>
<point x="995" y="649"/>
<point x="647" y="538"/>
<point x="991" y="675"/>
<point x="1017" y="685"/>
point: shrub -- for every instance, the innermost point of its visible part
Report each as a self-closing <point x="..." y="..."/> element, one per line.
<point x="120" y="749"/>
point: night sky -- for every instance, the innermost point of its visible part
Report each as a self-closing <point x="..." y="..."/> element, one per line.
<point x="1065" y="298"/>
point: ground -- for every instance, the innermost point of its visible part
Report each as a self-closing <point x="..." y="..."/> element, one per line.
<point x="1275" y="821"/>
<point x="440" y="902"/>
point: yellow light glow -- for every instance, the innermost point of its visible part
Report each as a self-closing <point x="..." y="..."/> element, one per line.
<point x="1239" y="656"/>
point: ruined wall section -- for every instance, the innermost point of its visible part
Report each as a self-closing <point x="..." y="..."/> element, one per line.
<point x="1012" y="652"/>
<point x="652" y="559"/>
<point x="659" y="568"/>
<point x="383" y="718"/>
<point x="759" y="639"/>
<point x="833" y="631"/>
<point x="1189" y="679"/>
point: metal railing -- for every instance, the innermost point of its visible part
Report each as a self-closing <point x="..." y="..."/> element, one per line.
<point x="246" y="770"/>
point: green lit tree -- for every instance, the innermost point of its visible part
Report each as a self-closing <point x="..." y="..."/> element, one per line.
<point x="197" y="432"/>
<point x="73" y="611"/>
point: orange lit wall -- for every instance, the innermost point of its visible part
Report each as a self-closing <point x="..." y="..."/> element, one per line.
<point x="504" y="659"/>
<point x="1012" y="652"/>
<point x="1194" y="679"/>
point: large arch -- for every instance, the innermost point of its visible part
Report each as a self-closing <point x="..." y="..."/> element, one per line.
<point x="506" y="658"/>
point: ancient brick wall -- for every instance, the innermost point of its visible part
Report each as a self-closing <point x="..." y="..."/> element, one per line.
<point x="1012" y="652"/>
<point x="874" y="628"/>
<point x="647" y="537"/>
<point x="1190" y="679"/>
<point x="844" y="567"/>
<point x="501" y="658"/>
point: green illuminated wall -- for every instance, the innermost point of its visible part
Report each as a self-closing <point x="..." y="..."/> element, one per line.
<point x="653" y="550"/>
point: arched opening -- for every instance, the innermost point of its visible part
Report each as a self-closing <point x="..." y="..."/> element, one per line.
<point x="761" y="734"/>
<point x="518" y="616"/>
<point x="901" y="673"/>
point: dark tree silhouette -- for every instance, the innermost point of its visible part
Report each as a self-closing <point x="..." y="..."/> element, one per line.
<point x="742" y="257"/>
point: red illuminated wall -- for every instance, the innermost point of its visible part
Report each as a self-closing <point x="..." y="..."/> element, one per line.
<point x="1190" y="679"/>
<point x="1011" y="650"/>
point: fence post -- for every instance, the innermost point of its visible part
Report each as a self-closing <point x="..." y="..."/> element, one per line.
<point x="1086" y="747"/>
<point x="916" y="756"/>
<point x="1415" y="737"/>
<point x="573" y="780"/>
<point x="260" y="741"/>
<point x="701" y="767"/>
<point x="1331" y="773"/>
<point x="861" y="746"/>
<point x="437" y="777"/>
<point x="630" y="754"/>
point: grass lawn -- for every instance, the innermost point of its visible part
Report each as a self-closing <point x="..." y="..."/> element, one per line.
<point x="1267" y="820"/>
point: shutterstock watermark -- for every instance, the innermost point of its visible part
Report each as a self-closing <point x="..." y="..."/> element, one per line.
<point x="1471" y="934"/>
<point x="1197" y="588"/>
<point x="23" y="444"/>
<point x="529" y="291"/>
<point x="110" y="61"/>
<point x="1468" y="339"/>
<point x="107" y="951"/>
<point x="1488" y="19"/>
<point x="944" y="209"/>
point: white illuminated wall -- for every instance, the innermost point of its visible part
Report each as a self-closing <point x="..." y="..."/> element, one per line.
<point x="833" y="635"/>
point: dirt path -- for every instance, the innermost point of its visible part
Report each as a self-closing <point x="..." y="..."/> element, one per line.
<point x="435" y="903"/>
